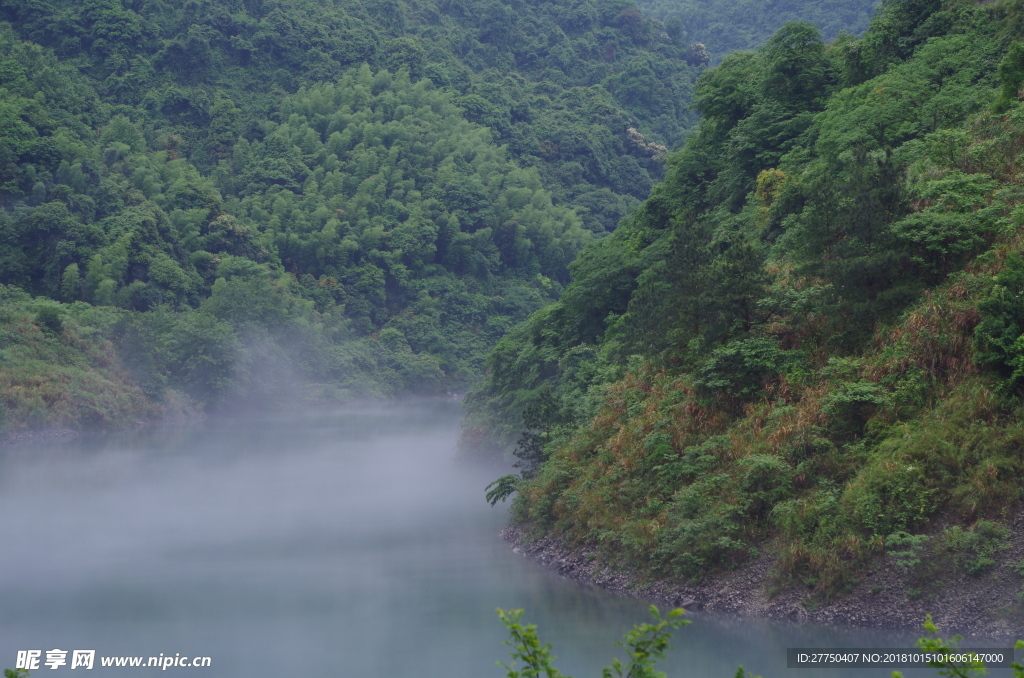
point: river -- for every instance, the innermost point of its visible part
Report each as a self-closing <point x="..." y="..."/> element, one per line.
<point x="346" y="543"/>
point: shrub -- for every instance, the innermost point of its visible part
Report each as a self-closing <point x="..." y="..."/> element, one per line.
<point x="1000" y="332"/>
<point x="704" y="532"/>
<point x="766" y="482"/>
<point x="49" y="317"/>
<point x="906" y="548"/>
<point x="850" y="407"/>
<point x="888" y="497"/>
<point x="973" y="550"/>
<point x="741" y="368"/>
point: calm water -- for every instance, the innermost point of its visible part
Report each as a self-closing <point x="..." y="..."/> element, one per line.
<point x="343" y="544"/>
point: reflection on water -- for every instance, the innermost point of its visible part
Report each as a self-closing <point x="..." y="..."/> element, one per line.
<point x="333" y="544"/>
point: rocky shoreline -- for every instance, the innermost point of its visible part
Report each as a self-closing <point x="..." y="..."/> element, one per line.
<point x="57" y="434"/>
<point x="44" y="435"/>
<point x="985" y="607"/>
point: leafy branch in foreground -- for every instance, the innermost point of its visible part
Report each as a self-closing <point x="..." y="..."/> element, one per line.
<point x="527" y="648"/>
<point x="645" y="645"/>
<point x="541" y="420"/>
<point x="934" y="644"/>
<point x="503" y="488"/>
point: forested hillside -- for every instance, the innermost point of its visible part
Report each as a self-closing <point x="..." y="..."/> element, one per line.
<point x="725" y="26"/>
<point x="558" y="83"/>
<point x="423" y="235"/>
<point x="212" y="203"/>
<point x="808" y="341"/>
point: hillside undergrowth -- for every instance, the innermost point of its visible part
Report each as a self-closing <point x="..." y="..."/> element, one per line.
<point x="811" y="345"/>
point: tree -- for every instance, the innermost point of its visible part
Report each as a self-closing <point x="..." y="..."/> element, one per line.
<point x="1011" y="77"/>
<point x="797" y="72"/>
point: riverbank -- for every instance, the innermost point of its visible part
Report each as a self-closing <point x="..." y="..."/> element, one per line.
<point x="174" y="410"/>
<point x="985" y="606"/>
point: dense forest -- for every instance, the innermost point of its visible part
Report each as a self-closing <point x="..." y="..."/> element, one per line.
<point x="725" y="26"/>
<point x="807" y="341"/>
<point x="205" y="204"/>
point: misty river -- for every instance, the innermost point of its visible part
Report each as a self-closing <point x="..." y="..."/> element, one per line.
<point x="347" y="543"/>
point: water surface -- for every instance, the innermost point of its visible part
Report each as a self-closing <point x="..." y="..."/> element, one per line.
<point x="346" y="543"/>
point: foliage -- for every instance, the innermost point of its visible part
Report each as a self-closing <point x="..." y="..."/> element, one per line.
<point x="526" y="647"/>
<point x="806" y="339"/>
<point x="544" y="420"/>
<point x="58" y="371"/>
<point x="905" y="548"/>
<point x="934" y="644"/>
<point x="740" y="368"/>
<point x="541" y="419"/>
<point x="974" y="550"/>
<point x="1011" y="76"/>
<point x="553" y="81"/>
<point x="502" y="488"/>
<point x="393" y="186"/>
<point x="1002" y="323"/>
<point x="390" y="269"/>
<point x="752" y="23"/>
<point x="334" y="197"/>
<point x="645" y="644"/>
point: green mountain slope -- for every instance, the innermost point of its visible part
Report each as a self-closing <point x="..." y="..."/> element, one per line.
<point x="274" y="200"/>
<point x="807" y="340"/>
<point x="559" y="84"/>
<point x="373" y="241"/>
<point x="725" y="26"/>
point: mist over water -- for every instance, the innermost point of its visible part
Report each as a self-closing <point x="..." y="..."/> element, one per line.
<point x="345" y="543"/>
